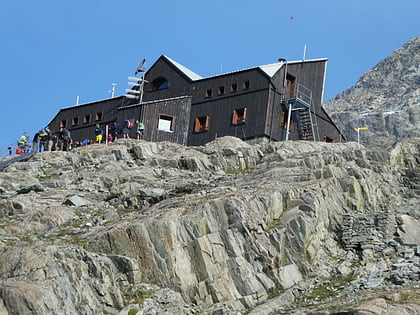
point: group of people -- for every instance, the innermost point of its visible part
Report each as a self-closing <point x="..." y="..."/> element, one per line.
<point x="114" y="130"/>
<point x="44" y="140"/>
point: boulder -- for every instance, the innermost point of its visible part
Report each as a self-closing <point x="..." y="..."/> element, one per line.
<point x="409" y="230"/>
<point x="75" y="201"/>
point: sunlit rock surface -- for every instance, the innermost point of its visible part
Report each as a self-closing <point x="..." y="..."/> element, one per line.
<point x="226" y="228"/>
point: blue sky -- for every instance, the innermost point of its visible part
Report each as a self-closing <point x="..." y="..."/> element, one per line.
<point x="53" y="51"/>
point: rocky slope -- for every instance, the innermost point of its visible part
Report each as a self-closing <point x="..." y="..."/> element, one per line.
<point x="227" y="228"/>
<point x="386" y="99"/>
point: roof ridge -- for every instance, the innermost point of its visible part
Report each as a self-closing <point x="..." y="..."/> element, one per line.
<point x="269" y="69"/>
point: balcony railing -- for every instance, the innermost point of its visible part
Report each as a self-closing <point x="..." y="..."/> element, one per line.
<point x="299" y="93"/>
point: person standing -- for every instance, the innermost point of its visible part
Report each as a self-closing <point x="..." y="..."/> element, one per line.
<point x="55" y="146"/>
<point x="126" y="129"/>
<point x="35" y="142"/>
<point x="43" y="140"/>
<point x="98" y="134"/>
<point x="65" y="139"/>
<point x="110" y="136"/>
<point x="115" y="129"/>
<point x="50" y="139"/>
<point x="140" y="130"/>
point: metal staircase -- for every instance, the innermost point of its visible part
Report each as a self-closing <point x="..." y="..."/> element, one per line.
<point x="305" y="125"/>
<point x="298" y="98"/>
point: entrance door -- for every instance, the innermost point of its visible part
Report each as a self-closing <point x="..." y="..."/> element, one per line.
<point x="290" y="88"/>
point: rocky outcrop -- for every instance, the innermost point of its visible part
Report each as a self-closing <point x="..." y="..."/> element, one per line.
<point x="386" y="99"/>
<point x="219" y="229"/>
<point x="381" y="306"/>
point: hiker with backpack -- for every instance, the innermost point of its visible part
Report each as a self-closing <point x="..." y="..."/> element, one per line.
<point x="126" y="129"/>
<point x="43" y="140"/>
<point x="64" y="139"/>
<point x="140" y="129"/>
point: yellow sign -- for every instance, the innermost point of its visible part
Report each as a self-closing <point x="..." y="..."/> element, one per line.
<point x="361" y="128"/>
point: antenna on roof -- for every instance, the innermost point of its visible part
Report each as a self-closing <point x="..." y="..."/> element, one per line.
<point x="290" y="37"/>
<point x="136" y="92"/>
<point x="304" y="53"/>
<point x="140" y="67"/>
<point x="112" y="91"/>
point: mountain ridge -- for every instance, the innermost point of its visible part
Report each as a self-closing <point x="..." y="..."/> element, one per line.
<point x="386" y="99"/>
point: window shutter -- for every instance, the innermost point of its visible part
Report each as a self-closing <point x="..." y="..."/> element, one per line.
<point x="207" y="122"/>
<point x="245" y="114"/>
<point x="235" y="117"/>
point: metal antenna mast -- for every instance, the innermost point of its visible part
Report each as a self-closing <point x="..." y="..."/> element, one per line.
<point x="136" y="92"/>
<point x="138" y="83"/>
<point x="112" y="91"/>
<point x="289" y="114"/>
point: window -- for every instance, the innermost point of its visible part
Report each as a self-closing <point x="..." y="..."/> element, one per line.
<point x="159" y="84"/>
<point x="202" y="123"/>
<point x="283" y="120"/>
<point x="233" y="87"/>
<point x="86" y="119"/>
<point x="239" y="116"/>
<point x="163" y="85"/>
<point x="245" y="86"/>
<point x="99" y="116"/>
<point x="221" y="90"/>
<point x="63" y="123"/>
<point x="166" y="123"/>
<point x="75" y="121"/>
<point x="209" y="93"/>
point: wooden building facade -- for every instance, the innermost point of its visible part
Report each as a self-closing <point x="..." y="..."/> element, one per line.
<point x="183" y="107"/>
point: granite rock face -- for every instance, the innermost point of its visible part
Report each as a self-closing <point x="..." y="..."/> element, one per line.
<point x="225" y="228"/>
<point x="386" y="99"/>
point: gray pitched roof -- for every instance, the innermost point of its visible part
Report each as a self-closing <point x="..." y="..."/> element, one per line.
<point x="190" y="74"/>
<point x="271" y="69"/>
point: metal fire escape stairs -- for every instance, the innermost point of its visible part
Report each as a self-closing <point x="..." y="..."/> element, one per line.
<point x="298" y="98"/>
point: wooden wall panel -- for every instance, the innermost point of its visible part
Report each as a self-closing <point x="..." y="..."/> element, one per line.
<point x="149" y="112"/>
<point x="247" y="89"/>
